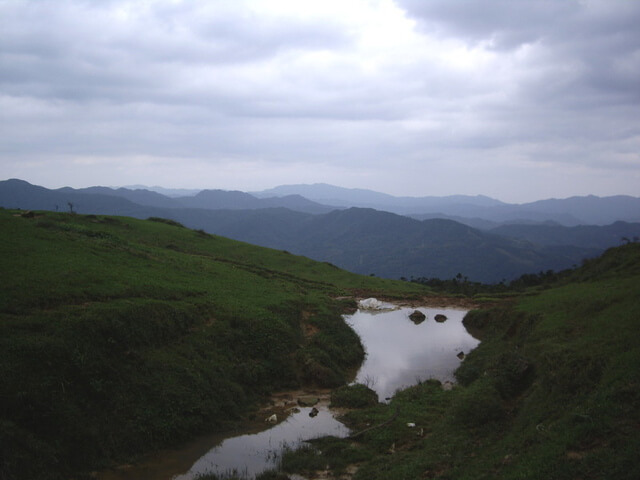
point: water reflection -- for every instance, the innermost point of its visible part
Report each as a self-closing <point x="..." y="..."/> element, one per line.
<point x="400" y="352"/>
<point x="252" y="454"/>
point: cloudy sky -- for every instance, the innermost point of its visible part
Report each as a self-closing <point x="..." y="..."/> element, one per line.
<point x="518" y="100"/>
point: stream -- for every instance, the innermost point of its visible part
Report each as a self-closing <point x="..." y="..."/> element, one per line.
<point x="399" y="353"/>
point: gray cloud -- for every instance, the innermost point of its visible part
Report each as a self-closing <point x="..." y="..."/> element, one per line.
<point x="345" y="92"/>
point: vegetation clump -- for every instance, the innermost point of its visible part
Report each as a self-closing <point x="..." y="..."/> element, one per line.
<point x="354" y="396"/>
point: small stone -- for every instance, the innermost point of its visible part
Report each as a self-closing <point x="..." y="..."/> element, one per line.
<point x="440" y="318"/>
<point x="460" y="355"/>
<point x="272" y="419"/>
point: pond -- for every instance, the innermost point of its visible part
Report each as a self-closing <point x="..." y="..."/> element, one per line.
<point x="400" y="353"/>
<point x="254" y="453"/>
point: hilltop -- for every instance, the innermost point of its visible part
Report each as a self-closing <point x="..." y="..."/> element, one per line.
<point x="121" y="335"/>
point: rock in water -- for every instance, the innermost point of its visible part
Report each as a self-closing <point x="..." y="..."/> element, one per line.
<point x="417" y="317"/>
<point x="440" y="318"/>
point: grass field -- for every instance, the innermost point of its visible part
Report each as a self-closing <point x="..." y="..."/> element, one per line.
<point x="120" y="336"/>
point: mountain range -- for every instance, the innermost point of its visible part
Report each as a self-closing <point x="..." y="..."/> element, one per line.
<point x="367" y="240"/>
<point x="586" y="210"/>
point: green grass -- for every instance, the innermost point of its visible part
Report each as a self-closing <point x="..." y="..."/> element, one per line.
<point x="120" y="336"/>
<point x="553" y="391"/>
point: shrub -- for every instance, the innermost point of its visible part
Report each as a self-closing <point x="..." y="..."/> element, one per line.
<point x="354" y="396"/>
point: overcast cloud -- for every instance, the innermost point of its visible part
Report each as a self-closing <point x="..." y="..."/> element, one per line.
<point x="518" y="100"/>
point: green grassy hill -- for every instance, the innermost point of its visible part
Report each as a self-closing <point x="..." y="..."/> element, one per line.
<point x="553" y="392"/>
<point x="119" y="336"/>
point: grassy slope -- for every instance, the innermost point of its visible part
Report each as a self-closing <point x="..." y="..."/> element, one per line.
<point x="552" y="392"/>
<point x="120" y="335"/>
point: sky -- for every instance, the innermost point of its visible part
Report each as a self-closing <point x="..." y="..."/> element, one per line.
<point x="518" y="100"/>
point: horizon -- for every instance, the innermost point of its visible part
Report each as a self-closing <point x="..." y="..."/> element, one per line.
<point x="196" y="190"/>
<point x="514" y="101"/>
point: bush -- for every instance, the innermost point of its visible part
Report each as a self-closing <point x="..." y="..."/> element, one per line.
<point x="354" y="396"/>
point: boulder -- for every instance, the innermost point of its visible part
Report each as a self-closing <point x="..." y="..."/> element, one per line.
<point x="417" y="317"/>
<point x="460" y="355"/>
<point x="440" y="318"/>
<point x="314" y="412"/>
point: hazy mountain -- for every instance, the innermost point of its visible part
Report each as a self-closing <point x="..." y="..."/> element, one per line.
<point x="98" y="199"/>
<point x="475" y="210"/>
<point x="220" y="199"/>
<point x="169" y="192"/>
<point x="357" y="197"/>
<point x="297" y="203"/>
<point x="361" y="240"/>
<point x="588" y="236"/>
<point x="591" y="209"/>
<point x="20" y="194"/>
<point x="508" y="213"/>
<point x="236" y="200"/>
<point x="139" y="196"/>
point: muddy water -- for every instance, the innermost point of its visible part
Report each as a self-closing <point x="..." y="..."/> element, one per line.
<point x="399" y="353"/>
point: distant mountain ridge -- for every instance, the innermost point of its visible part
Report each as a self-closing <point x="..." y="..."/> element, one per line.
<point x="358" y="197"/>
<point x="478" y="211"/>
<point x="586" y="236"/>
<point x="361" y="240"/>
<point x="206" y="199"/>
<point x="586" y="210"/>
